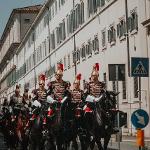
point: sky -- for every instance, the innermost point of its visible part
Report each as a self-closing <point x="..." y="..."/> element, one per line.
<point x="6" y="7"/>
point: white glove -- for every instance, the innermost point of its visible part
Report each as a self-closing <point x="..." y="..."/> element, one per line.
<point x="36" y="104"/>
<point x="90" y="99"/>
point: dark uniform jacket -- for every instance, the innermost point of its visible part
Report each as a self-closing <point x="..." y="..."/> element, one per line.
<point x="58" y="89"/>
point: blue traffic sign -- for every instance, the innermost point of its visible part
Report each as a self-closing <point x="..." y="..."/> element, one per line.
<point x="139" y="67"/>
<point x="140" y="118"/>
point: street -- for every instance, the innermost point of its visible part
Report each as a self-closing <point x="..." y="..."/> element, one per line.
<point x="127" y="144"/>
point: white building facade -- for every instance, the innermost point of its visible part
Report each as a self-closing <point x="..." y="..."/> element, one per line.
<point x="79" y="33"/>
<point x="18" y="24"/>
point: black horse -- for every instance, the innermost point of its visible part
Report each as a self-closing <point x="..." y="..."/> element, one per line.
<point x="99" y="123"/>
<point x="35" y="128"/>
<point x="62" y="125"/>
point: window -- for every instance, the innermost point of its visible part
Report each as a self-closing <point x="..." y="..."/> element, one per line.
<point x="102" y="3"/>
<point x="93" y="5"/>
<point x="89" y="48"/>
<point x="103" y="38"/>
<point x="68" y="24"/>
<point x="44" y="49"/>
<point x="50" y="14"/>
<point x="82" y="12"/>
<point x="47" y="45"/>
<point x="111" y="35"/>
<point x="68" y="61"/>
<point x="121" y="28"/>
<point x="78" y="56"/>
<point x="74" y="57"/>
<point x="46" y="20"/>
<point x="27" y="20"/>
<point x="53" y="40"/>
<point x="83" y="52"/>
<point x="63" y="30"/>
<point x="105" y="79"/>
<point x="56" y="6"/>
<point x="135" y="87"/>
<point x="96" y="43"/>
<point x="60" y="32"/>
<point x="133" y="21"/>
<point x="124" y="89"/>
<point x="65" y="63"/>
<point x="114" y="86"/>
<point x="52" y="10"/>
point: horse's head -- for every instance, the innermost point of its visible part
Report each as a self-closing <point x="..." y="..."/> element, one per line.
<point x="107" y="100"/>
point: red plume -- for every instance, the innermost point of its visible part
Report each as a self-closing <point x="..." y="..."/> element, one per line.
<point x="17" y="86"/>
<point x="60" y="66"/>
<point x="97" y="66"/>
<point x="78" y="77"/>
<point x="42" y="77"/>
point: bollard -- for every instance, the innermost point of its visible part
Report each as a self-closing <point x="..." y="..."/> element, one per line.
<point x="140" y="139"/>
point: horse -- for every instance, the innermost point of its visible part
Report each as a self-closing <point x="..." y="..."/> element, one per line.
<point x="62" y="125"/>
<point x="98" y="123"/>
<point x="35" y="128"/>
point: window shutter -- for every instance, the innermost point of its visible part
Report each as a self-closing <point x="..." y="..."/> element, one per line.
<point x="129" y="23"/>
<point x="114" y="34"/>
<point x="136" y="21"/>
<point x="97" y="43"/>
<point x="109" y="35"/>
<point x="98" y="3"/>
<point x="64" y="30"/>
<point x="102" y="3"/>
<point x="78" y="15"/>
<point x="82" y="12"/>
<point x="118" y="29"/>
<point x="94" y="5"/>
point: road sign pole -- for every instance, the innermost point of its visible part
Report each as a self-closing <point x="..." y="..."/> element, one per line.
<point x="140" y="148"/>
<point x="140" y="92"/>
<point x="118" y="118"/>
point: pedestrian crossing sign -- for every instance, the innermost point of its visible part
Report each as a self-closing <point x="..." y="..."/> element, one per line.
<point x="139" y="67"/>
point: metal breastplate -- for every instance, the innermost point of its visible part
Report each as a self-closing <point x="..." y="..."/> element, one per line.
<point x="95" y="89"/>
<point x="59" y="90"/>
<point x="42" y="94"/>
<point x="76" y="95"/>
<point x="17" y="100"/>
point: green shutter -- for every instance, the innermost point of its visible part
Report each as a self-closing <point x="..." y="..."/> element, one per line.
<point x="118" y="29"/>
<point x="136" y="21"/>
<point x="129" y="23"/>
<point x="109" y="35"/>
<point x="102" y="3"/>
<point x="98" y="3"/>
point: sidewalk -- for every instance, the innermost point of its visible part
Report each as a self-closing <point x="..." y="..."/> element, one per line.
<point x="128" y="143"/>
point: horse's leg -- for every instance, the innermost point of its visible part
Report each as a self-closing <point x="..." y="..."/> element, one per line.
<point x="75" y="144"/>
<point x="106" y="141"/>
<point x="99" y="144"/>
<point x="92" y="144"/>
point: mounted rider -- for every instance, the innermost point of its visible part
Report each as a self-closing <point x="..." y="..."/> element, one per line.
<point x="77" y="93"/>
<point x="94" y="88"/>
<point x="16" y="98"/>
<point x="58" y="87"/>
<point x="41" y="91"/>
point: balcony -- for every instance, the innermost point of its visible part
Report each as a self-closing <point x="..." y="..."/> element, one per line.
<point x="9" y="53"/>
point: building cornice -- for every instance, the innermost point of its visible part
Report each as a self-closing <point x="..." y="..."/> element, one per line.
<point x="29" y="9"/>
<point x="45" y="6"/>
